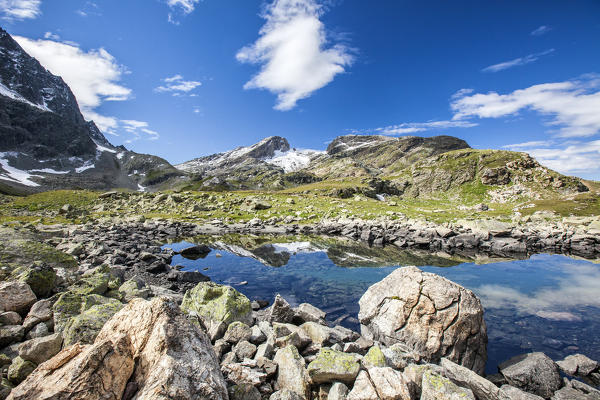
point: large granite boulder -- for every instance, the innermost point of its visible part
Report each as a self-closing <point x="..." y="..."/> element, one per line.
<point x="217" y="306"/>
<point x="174" y="358"/>
<point x="430" y="314"/>
<point x="79" y="372"/>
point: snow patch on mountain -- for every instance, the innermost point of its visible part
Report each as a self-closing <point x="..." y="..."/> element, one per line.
<point x="11" y="94"/>
<point x="292" y="160"/>
<point x="14" y="174"/>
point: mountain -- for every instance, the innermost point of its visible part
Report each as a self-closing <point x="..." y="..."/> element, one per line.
<point x="45" y="142"/>
<point x="439" y="167"/>
<point x="264" y="164"/>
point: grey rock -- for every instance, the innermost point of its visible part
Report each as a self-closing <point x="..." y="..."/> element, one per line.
<point x="577" y="364"/>
<point x="389" y="384"/>
<point x="363" y="389"/>
<point x="508" y="392"/>
<point x="309" y="313"/>
<point x="568" y="393"/>
<point x="40" y="330"/>
<point x="16" y="296"/>
<point x="41" y="349"/>
<point x="337" y="391"/>
<point x="436" y="387"/>
<point x="10" y="334"/>
<point x="398" y="356"/>
<point x="534" y="373"/>
<point x="244" y="391"/>
<point x="285" y="394"/>
<point x="237" y="331"/>
<point x="280" y="311"/>
<point x="257" y="336"/>
<point x="481" y="387"/>
<point x="244" y="349"/>
<point x="291" y="372"/>
<point x="433" y="316"/>
<point x="10" y="318"/>
<point x="41" y="311"/>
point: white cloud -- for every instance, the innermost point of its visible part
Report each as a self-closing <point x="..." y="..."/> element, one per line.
<point x="414" y="127"/>
<point x="565" y="157"/>
<point x="542" y="30"/>
<point x="51" y="36"/>
<point x="93" y="76"/>
<point x="177" y="85"/>
<point x="20" y="9"/>
<point x="517" y="61"/>
<point x="571" y="106"/>
<point x="185" y="6"/>
<point x="137" y="129"/>
<point x="293" y="52"/>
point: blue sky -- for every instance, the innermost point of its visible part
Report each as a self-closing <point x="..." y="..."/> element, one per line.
<point x="185" y="78"/>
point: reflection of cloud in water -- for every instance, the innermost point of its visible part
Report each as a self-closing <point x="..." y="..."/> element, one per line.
<point x="579" y="287"/>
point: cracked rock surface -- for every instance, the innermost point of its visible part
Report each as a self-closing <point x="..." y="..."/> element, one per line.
<point x="430" y="314"/>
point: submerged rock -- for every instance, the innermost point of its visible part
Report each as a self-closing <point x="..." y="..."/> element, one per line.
<point x="433" y="316"/>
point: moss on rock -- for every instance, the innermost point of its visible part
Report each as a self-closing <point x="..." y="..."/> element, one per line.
<point x="331" y="366"/>
<point x="85" y="327"/>
<point x="375" y="357"/>
<point x="216" y="303"/>
<point x="19" y="370"/>
<point x="41" y="279"/>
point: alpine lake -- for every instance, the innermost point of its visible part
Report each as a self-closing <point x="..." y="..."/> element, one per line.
<point x="546" y="302"/>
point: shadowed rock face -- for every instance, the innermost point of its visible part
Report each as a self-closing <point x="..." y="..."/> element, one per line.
<point x="42" y="128"/>
<point x="432" y="315"/>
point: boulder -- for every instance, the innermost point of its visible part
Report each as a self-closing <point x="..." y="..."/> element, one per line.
<point x="568" y="393"/>
<point x="389" y="384"/>
<point x="433" y="316"/>
<point x="41" y="349"/>
<point x="195" y="252"/>
<point x="331" y="366"/>
<point x="41" y="279"/>
<point x="84" y="327"/>
<point x="11" y="334"/>
<point x="174" y="357"/>
<point x="436" y="387"/>
<point x="133" y="288"/>
<point x="19" y="370"/>
<point x="244" y="391"/>
<point x="10" y="318"/>
<point x="291" y="372"/>
<point x="309" y="313"/>
<point x="363" y="388"/>
<point x="508" y="392"/>
<point x="244" y="349"/>
<point x="481" y="387"/>
<point x="285" y="394"/>
<point x="217" y="306"/>
<point x="81" y="372"/>
<point x="280" y="311"/>
<point x="399" y="356"/>
<point x="16" y="296"/>
<point x="374" y="357"/>
<point x="320" y="334"/>
<point x="534" y="373"/>
<point x="236" y="332"/>
<point x="577" y="365"/>
<point x="41" y="311"/>
<point x="337" y="391"/>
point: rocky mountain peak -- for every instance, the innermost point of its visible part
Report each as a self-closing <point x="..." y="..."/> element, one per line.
<point x="268" y="147"/>
<point x="356" y="144"/>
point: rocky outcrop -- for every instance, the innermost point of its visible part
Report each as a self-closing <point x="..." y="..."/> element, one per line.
<point x="167" y="347"/>
<point x="432" y="315"/>
<point x="79" y="372"/>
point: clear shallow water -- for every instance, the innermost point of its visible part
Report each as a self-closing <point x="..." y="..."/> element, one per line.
<point x="548" y="303"/>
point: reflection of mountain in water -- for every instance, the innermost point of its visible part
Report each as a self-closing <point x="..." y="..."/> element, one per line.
<point x="273" y="251"/>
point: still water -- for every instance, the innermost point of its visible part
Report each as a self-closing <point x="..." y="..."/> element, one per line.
<point x="548" y="303"/>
